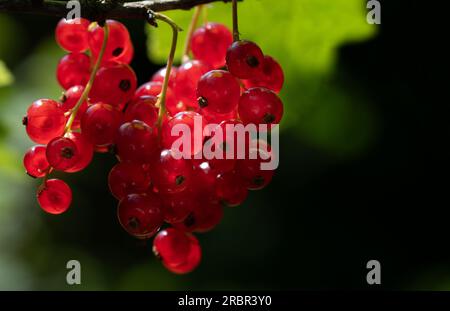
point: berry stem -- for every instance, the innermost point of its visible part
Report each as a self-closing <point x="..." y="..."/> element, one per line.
<point x="44" y="180"/>
<point x="173" y="48"/>
<point x="192" y="26"/>
<point x="235" y="21"/>
<point x="88" y="87"/>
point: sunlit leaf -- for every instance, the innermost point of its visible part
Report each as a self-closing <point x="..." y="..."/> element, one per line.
<point x="6" y="77"/>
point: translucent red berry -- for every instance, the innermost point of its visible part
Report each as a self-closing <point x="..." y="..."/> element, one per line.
<point x="161" y="74"/>
<point x="44" y="120"/>
<point x="136" y="142"/>
<point x="73" y="69"/>
<point x="118" y="44"/>
<point x="216" y="118"/>
<point x="142" y="109"/>
<point x="70" y="99"/>
<point x="177" y="206"/>
<point x="250" y="169"/>
<point x="127" y="178"/>
<point x="228" y="143"/>
<point x="179" y="252"/>
<point x="35" y="162"/>
<point x="72" y="34"/>
<point x="270" y="77"/>
<point x="85" y="151"/>
<point x="170" y="174"/>
<point x="205" y="217"/>
<point x="186" y="81"/>
<point x="203" y="178"/>
<point x="62" y="153"/>
<point x="245" y="59"/>
<point x="173" y="106"/>
<point x="182" y="124"/>
<point x="218" y="92"/>
<point x="260" y="106"/>
<point x="114" y="85"/>
<point x="55" y="196"/>
<point x="231" y="189"/>
<point x="210" y="43"/>
<point x="140" y="214"/>
<point x="100" y="123"/>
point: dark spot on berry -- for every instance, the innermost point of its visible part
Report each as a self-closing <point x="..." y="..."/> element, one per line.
<point x="133" y="223"/>
<point x="63" y="98"/>
<point x="252" y="61"/>
<point x="25" y="121"/>
<point x="67" y="152"/>
<point x="258" y="181"/>
<point x="189" y="221"/>
<point x="125" y="85"/>
<point x="117" y="51"/>
<point x="269" y="118"/>
<point x="202" y="102"/>
<point x="125" y="107"/>
<point x="179" y="180"/>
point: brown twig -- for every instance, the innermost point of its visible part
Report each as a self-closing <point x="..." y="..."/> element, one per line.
<point x="101" y="9"/>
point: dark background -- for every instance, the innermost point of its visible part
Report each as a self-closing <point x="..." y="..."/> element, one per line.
<point x="322" y="218"/>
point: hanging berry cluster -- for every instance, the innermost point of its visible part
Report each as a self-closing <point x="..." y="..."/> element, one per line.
<point x="222" y="81"/>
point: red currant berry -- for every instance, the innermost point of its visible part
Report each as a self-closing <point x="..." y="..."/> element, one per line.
<point x="127" y="178"/>
<point x="114" y="85"/>
<point x="172" y="246"/>
<point x="203" y="178"/>
<point x="176" y="249"/>
<point x="184" y="121"/>
<point x="161" y="74"/>
<point x="186" y="81"/>
<point x="260" y="106"/>
<point x="55" y="197"/>
<point x="218" y="92"/>
<point x="173" y="106"/>
<point x="231" y="189"/>
<point x="44" y="120"/>
<point x="271" y="76"/>
<point x="140" y="215"/>
<point x="118" y="44"/>
<point x="244" y="59"/>
<point x="177" y="206"/>
<point x="136" y="142"/>
<point x="210" y="43"/>
<point x="250" y="170"/>
<point x="73" y="69"/>
<point x="127" y="57"/>
<point x="170" y="175"/>
<point x="35" y="162"/>
<point x="229" y="141"/>
<point x="216" y="118"/>
<point x="192" y="261"/>
<point x="205" y="217"/>
<point x="72" y="34"/>
<point x="142" y="109"/>
<point x="70" y="99"/>
<point x="62" y="153"/>
<point x="85" y="150"/>
<point x="100" y="123"/>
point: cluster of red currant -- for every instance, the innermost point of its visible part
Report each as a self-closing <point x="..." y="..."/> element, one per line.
<point x="102" y="110"/>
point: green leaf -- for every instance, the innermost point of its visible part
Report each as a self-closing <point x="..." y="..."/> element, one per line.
<point x="6" y="78"/>
<point x="304" y="37"/>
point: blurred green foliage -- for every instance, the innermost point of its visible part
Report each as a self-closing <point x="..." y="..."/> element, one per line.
<point x="304" y="36"/>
